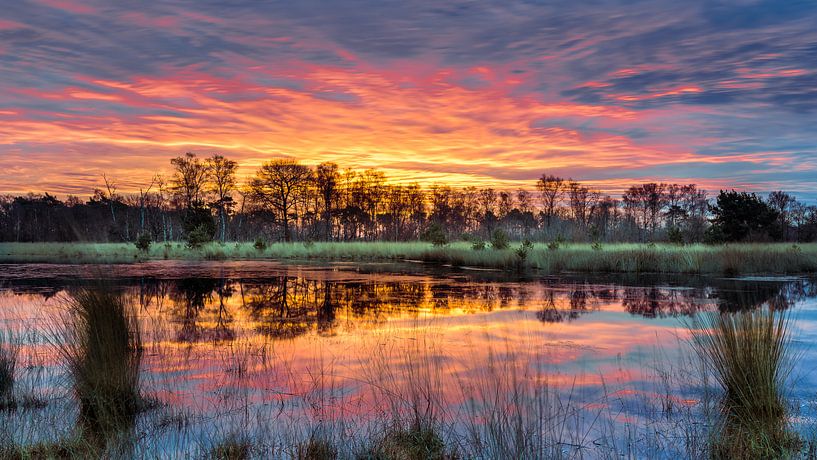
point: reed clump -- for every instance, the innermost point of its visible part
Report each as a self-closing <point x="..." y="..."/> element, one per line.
<point x="102" y="349"/>
<point x="749" y="356"/>
<point x="9" y="352"/>
<point x="233" y="447"/>
<point x="316" y="449"/>
<point x="418" y="441"/>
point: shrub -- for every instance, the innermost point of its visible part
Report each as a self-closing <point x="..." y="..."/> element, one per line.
<point x="143" y="242"/>
<point x="199" y="236"/>
<point x="553" y="245"/>
<point x="596" y="246"/>
<point x="435" y="234"/>
<point x="522" y="252"/>
<point x="675" y="236"/>
<point x="499" y="239"/>
<point x="478" y="245"/>
<point x="260" y="244"/>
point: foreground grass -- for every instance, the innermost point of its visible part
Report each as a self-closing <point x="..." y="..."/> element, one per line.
<point x="749" y="354"/>
<point x="730" y="259"/>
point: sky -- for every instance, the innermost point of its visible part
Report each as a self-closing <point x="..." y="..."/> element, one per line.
<point x="460" y="92"/>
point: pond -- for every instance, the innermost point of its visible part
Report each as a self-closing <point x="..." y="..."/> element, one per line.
<point x="283" y="360"/>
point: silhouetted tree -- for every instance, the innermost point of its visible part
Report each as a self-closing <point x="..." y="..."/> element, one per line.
<point x="551" y="188"/>
<point x="738" y="216"/>
<point x="221" y="185"/>
<point x="276" y="187"/>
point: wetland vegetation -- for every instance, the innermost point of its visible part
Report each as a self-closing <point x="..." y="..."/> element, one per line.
<point x="263" y="360"/>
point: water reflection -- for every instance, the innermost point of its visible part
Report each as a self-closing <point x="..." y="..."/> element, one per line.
<point x="205" y="309"/>
<point x="228" y="345"/>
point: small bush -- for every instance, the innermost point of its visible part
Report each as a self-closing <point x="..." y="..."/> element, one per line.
<point x="478" y="245"/>
<point x="435" y="234"/>
<point x="143" y="242"/>
<point x="260" y="244"/>
<point x="596" y="246"/>
<point x="675" y="236"/>
<point x="556" y="243"/>
<point x="522" y="252"/>
<point x="199" y="236"/>
<point x="500" y="239"/>
<point x="309" y="244"/>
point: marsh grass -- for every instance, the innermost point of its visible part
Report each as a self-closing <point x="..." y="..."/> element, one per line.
<point x="9" y="353"/>
<point x="749" y="355"/>
<point x="732" y="259"/>
<point x="102" y="350"/>
<point x="232" y="447"/>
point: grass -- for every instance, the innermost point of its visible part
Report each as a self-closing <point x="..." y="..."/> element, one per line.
<point x="102" y="349"/>
<point x="748" y="353"/>
<point x="9" y="352"/>
<point x="732" y="259"/>
<point x="233" y="447"/>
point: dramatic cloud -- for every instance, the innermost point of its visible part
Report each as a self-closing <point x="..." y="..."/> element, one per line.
<point x="465" y="92"/>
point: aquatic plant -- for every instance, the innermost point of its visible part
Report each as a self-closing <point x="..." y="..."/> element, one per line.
<point x="233" y="447"/>
<point x="749" y="355"/>
<point x="102" y="349"/>
<point x="9" y="352"/>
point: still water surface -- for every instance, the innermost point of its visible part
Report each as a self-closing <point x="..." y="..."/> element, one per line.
<point x="276" y="352"/>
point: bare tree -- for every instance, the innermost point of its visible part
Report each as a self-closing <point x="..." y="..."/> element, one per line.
<point x="327" y="178"/>
<point x="781" y="202"/>
<point x="221" y="185"/>
<point x="110" y="186"/>
<point x="189" y="179"/>
<point x="277" y="186"/>
<point x="579" y="200"/>
<point x="551" y="188"/>
<point x="143" y="197"/>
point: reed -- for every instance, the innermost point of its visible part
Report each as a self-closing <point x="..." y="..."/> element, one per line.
<point x="732" y="259"/>
<point x="749" y="356"/>
<point x="9" y="352"/>
<point x="102" y="349"/>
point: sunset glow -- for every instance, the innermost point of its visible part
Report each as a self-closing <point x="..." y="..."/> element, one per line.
<point x="462" y="93"/>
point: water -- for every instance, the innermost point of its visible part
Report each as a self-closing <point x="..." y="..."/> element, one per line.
<point x="277" y="353"/>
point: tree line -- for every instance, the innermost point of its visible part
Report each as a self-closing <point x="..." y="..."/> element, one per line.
<point x="284" y="200"/>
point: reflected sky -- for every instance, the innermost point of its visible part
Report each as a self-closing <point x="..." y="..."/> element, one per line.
<point x="220" y="337"/>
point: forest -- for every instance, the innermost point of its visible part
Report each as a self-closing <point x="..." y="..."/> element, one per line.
<point x="203" y="200"/>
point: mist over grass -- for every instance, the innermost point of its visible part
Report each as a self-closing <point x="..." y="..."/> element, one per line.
<point x="731" y="259"/>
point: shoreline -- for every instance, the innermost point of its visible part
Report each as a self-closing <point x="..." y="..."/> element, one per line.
<point x="697" y="259"/>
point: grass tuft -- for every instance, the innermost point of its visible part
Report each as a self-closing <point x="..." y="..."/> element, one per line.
<point x="9" y="352"/>
<point x="749" y="355"/>
<point x="233" y="447"/>
<point x="102" y="349"/>
<point x="416" y="442"/>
